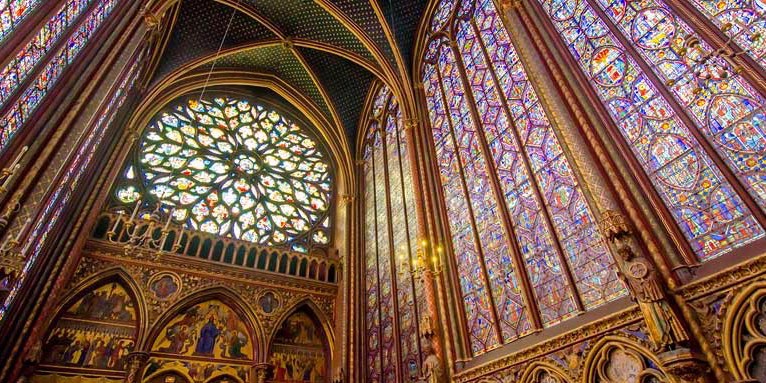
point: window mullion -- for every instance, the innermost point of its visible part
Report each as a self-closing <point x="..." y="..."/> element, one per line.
<point x="471" y="215"/>
<point x="532" y="179"/>
<point x="704" y="143"/>
<point x="377" y="255"/>
<point x="391" y="245"/>
<point x="507" y="222"/>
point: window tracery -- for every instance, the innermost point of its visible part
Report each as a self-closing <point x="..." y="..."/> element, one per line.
<point x="235" y="168"/>
<point x="394" y="296"/>
<point x="502" y="164"/>
<point x="668" y="121"/>
<point x="12" y="13"/>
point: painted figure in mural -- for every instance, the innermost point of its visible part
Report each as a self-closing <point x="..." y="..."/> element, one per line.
<point x="164" y="287"/>
<point x="207" y="338"/>
<point x="210" y="330"/>
<point x="109" y="302"/>
<point x="298" y="353"/>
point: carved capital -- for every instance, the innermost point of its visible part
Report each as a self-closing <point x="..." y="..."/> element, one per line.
<point x="684" y="364"/>
<point x="613" y="225"/>
<point x="151" y="20"/>
<point x="346" y="199"/>
<point x="410" y="123"/>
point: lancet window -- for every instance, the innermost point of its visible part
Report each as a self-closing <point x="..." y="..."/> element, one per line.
<point x="36" y="68"/>
<point x="393" y="291"/>
<point x="524" y="235"/>
<point x="695" y="126"/>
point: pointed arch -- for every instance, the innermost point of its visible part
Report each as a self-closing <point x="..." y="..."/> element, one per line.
<point x="534" y="370"/>
<point x="230" y="298"/>
<point x="743" y="338"/>
<point x="168" y="371"/>
<point x="116" y="274"/>
<point x="98" y="323"/>
<point x="597" y="362"/>
<point x="324" y="320"/>
<point x="299" y="346"/>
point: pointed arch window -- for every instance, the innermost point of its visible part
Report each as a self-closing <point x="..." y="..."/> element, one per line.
<point x="523" y="232"/>
<point x="235" y="168"/>
<point x="393" y="294"/>
<point x="36" y="68"/>
<point x="64" y="190"/>
<point x="700" y="137"/>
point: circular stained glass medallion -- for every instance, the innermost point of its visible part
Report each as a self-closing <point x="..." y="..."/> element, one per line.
<point x="230" y="167"/>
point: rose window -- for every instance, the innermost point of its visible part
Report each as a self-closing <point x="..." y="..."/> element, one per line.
<point x="232" y="168"/>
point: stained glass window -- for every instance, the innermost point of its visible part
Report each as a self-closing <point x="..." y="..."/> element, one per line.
<point x="63" y="191"/>
<point x="17" y="105"/>
<point x="724" y="111"/>
<point x="502" y="163"/>
<point x="12" y="13"/>
<point x="235" y="168"/>
<point x="390" y="246"/>
<point x="744" y="21"/>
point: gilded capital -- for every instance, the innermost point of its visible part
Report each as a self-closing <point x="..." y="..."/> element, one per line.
<point x="613" y="224"/>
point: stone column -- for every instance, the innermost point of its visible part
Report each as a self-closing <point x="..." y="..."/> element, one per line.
<point x="134" y="366"/>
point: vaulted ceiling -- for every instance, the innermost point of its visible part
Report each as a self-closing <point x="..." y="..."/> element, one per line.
<point x="328" y="50"/>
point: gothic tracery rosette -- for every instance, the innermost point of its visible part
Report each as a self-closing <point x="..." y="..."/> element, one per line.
<point x="230" y="167"/>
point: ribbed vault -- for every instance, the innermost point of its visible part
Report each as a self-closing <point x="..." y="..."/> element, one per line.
<point x="327" y="50"/>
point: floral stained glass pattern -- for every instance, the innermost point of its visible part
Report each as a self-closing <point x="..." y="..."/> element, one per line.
<point x="12" y="13"/>
<point x="20" y="66"/>
<point x="57" y="201"/>
<point x="710" y="214"/>
<point x="17" y="113"/>
<point x="233" y="168"/>
<point x="390" y="224"/>
<point x="742" y="20"/>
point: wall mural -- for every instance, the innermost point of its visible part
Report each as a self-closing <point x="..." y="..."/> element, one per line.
<point x="298" y="351"/>
<point x="93" y="335"/>
<point x="209" y="330"/>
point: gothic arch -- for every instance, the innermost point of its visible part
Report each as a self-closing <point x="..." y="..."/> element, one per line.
<point x="536" y="370"/>
<point x="638" y="364"/>
<point x="743" y="333"/>
<point x="232" y="299"/>
<point x="299" y="347"/>
<point x="119" y="275"/>
<point x="159" y="373"/>
<point x="308" y="303"/>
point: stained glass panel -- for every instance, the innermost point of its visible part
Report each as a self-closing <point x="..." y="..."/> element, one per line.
<point x="503" y="281"/>
<point x="372" y="312"/>
<point x="476" y="300"/>
<point x="230" y="167"/>
<point x="725" y="108"/>
<point x="12" y="13"/>
<point x="742" y="20"/>
<point x="19" y="111"/>
<point x="20" y="66"/>
<point x="709" y="212"/>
